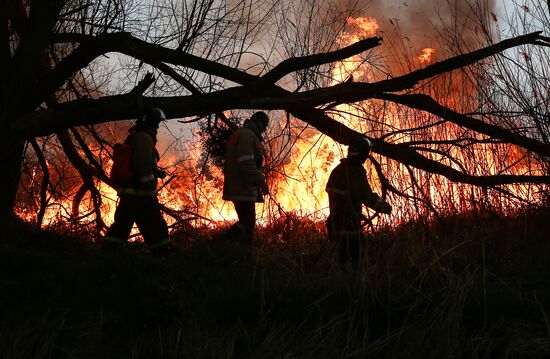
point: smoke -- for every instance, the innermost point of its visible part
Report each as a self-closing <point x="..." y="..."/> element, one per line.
<point x="419" y="20"/>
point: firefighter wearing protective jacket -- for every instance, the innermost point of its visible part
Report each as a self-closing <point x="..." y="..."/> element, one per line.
<point x="348" y="190"/>
<point x="244" y="182"/>
<point x="138" y="201"/>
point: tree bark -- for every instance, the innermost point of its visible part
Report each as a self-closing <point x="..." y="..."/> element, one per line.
<point x="11" y="157"/>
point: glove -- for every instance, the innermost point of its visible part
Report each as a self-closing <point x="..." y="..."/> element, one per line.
<point x="160" y="173"/>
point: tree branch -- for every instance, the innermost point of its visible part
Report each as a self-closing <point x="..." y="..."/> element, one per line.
<point x="151" y="53"/>
<point x="299" y="63"/>
<point x="86" y="173"/>
<point x="407" y="155"/>
<point x="125" y="43"/>
<point x="426" y="103"/>
<point x="300" y="105"/>
<point x="167" y="70"/>
<point x="460" y="61"/>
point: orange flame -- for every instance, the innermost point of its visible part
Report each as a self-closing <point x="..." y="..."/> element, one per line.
<point x="366" y="26"/>
<point x="298" y="184"/>
<point x="427" y="55"/>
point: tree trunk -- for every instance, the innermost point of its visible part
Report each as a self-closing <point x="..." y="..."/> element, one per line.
<point x="11" y="157"/>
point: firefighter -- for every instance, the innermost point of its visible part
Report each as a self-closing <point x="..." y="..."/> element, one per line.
<point x="138" y="202"/>
<point x="348" y="190"/>
<point x="244" y="182"/>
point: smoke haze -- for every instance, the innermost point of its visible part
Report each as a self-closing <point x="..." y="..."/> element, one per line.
<point x="415" y="19"/>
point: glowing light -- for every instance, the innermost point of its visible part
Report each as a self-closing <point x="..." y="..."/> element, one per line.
<point x="365" y="26"/>
<point x="298" y="183"/>
<point x="427" y="55"/>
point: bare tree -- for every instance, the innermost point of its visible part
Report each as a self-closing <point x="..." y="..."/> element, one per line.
<point x="211" y="56"/>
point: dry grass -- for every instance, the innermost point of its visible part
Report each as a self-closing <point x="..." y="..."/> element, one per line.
<point x="473" y="286"/>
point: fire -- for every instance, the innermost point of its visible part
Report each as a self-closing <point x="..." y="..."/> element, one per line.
<point x="427" y="55"/>
<point x="365" y="26"/>
<point x="300" y="183"/>
<point x="195" y="193"/>
<point x="297" y="185"/>
<point x="301" y="161"/>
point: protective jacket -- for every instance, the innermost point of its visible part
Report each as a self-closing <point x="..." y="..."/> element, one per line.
<point x="243" y="164"/>
<point x="144" y="163"/>
<point x="348" y="189"/>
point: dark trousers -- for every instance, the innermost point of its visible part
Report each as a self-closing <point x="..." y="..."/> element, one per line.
<point x="145" y="212"/>
<point x="243" y="230"/>
<point x="348" y="239"/>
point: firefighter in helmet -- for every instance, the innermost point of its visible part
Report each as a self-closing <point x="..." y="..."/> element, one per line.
<point x="244" y="182"/>
<point x="348" y="190"/>
<point x="138" y="202"/>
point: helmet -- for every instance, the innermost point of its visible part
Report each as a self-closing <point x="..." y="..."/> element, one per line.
<point x="261" y="120"/>
<point x="360" y="147"/>
<point x="152" y="116"/>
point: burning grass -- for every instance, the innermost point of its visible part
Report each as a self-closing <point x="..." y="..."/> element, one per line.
<point x="53" y="193"/>
<point x="466" y="286"/>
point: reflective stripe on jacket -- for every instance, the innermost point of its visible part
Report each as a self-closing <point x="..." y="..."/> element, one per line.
<point x="243" y="164"/>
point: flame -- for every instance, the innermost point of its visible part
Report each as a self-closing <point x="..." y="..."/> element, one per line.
<point x="427" y="55"/>
<point x="365" y="26"/>
<point x="306" y="158"/>
<point x="300" y="184"/>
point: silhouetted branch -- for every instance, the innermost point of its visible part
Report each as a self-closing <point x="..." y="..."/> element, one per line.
<point x="407" y="155"/>
<point x="299" y="63"/>
<point x="91" y="158"/>
<point x="86" y="172"/>
<point x="426" y="103"/>
<point x="189" y="86"/>
<point x="347" y="92"/>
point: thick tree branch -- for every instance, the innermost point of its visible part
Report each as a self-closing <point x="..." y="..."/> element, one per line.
<point x="460" y="61"/>
<point x="125" y="43"/>
<point x="273" y="97"/>
<point x="116" y="107"/>
<point x="299" y="63"/>
<point x="407" y="155"/>
<point x="426" y="103"/>
<point x="349" y="92"/>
